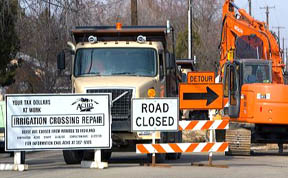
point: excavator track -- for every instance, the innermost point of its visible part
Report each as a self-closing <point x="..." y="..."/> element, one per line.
<point x="239" y="141"/>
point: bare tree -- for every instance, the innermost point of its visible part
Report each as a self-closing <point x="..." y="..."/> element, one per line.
<point x="44" y="28"/>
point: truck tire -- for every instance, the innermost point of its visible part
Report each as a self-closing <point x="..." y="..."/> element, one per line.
<point x="23" y="153"/>
<point x="172" y="156"/>
<point x="177" y="139"/>
<point x="73" y="156"/>
<point x="160" y="158"/>
<point x="22" y="156"/>
<point x="105" y="155"/>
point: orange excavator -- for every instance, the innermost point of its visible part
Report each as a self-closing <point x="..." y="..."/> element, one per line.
<point x="251" y="70"/>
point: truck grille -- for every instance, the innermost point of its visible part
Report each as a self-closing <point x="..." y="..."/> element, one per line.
<point x="121" y="108"/>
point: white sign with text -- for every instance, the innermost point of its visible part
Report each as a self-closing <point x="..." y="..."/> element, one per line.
<point x="155" y="114"/>
<point x="58" y="121"/>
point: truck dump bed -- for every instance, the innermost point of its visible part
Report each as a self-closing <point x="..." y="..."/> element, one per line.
<point x="125" y="33"/>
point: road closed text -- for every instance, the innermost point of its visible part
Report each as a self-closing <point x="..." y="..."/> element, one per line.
<point x="155" y="121"/>
<point x="155" y="114"/>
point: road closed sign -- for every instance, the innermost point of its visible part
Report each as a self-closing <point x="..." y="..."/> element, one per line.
<point x="155" y="114"/>
<point x="58" y="121"/>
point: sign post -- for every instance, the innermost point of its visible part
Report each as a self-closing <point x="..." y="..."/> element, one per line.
<point x="155" y="114"/>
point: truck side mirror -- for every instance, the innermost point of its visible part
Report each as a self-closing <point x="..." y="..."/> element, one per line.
<point x="61" y="60"/>
<point x="170" y="63"/>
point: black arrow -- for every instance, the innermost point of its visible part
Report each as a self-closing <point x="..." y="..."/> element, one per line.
<point x="210" y="96"/>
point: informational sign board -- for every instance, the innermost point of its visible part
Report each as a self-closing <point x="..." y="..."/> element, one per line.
<point x="201" y="96"/>
<point x="201" y="77"/>
<point x="155" y="114"/>
<point x="45" y="122"/>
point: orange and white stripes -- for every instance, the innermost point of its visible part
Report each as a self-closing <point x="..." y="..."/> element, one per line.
<point x="181" y="147"/>
<point x="203" y="125"/>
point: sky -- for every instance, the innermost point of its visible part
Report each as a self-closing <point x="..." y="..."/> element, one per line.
<point x="278" y="16"/>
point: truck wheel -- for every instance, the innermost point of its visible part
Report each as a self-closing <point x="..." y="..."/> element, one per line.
<point x="73" y="156"/>
<point x="179" y="155"/>
<point x="160" y="158"/>
<point x="105" y="155"/>
<point x="22" y="161"/>
<point x="172" y="156"/>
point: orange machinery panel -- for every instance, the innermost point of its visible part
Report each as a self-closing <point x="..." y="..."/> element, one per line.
<point x="201" y="96"/>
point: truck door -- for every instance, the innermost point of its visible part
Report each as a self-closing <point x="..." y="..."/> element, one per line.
<point x="232" y="89"/>
<point x="162" y="75"/>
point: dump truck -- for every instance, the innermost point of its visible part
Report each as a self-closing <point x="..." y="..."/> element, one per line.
<point x="251" y="70"/>
<point x="128" y="62"/>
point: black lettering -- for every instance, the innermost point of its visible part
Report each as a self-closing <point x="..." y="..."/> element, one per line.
<point x="164" y="120"/>
<point x="210" y="79"/>
<point x="151" y="108"/>
<point x="144" y="122"/>
<point x="137" y="119"/>
<point x="165" y="107"/>
<point x="151" y="121"/>
<point x="158" y="108"/>
<point x="144" y="107"/>
<point x="170" y="121"/>
<point x="158" y="121"/>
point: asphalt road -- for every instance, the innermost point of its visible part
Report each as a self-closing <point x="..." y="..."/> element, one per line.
<point x="50" y="164"/>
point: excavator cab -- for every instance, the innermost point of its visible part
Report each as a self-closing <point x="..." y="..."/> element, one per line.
<point x="238" y="73"/>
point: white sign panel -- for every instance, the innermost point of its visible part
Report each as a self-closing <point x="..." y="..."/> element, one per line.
<point x="155" y="114"/>
<point x="59" y="121"/>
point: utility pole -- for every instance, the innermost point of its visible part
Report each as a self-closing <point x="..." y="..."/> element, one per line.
<point x="134" y="18"/>
<point x="189" y="29"/>
<point x="279" y="27"/>
<point x="267" y="13"/>
<point x="250" y="8"/>
<point x="283" y="51"/>
<point x="286" y="60"/>
<point x="49" y="8"/>
<point x="283" y="44"/>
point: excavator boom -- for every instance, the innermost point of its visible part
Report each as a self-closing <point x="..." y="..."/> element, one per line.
<point x="246" y="38"/>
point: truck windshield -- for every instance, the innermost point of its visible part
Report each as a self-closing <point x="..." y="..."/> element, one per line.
<point x="257" y="74"/>
<point x="115" y="61"/>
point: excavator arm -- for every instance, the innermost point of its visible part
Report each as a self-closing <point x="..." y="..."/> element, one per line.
<point x="246" y="37"/>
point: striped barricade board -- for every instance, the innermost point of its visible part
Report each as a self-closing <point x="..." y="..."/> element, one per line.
<point x="203" y="125"/>
<point x="182" y="147"/>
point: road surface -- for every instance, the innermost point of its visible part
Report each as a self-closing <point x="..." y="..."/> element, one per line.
<point x="50" y="164"/>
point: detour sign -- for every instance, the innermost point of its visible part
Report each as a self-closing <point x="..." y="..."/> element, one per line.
<point x="201" y="77"/>
<point x="201" y="96"/>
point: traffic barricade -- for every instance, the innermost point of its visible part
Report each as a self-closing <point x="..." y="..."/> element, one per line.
<point x="208" y="147"/>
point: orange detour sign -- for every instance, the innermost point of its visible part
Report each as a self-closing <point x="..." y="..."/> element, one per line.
<point x="201" y="96"/>
<point x="201" y="77"/>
